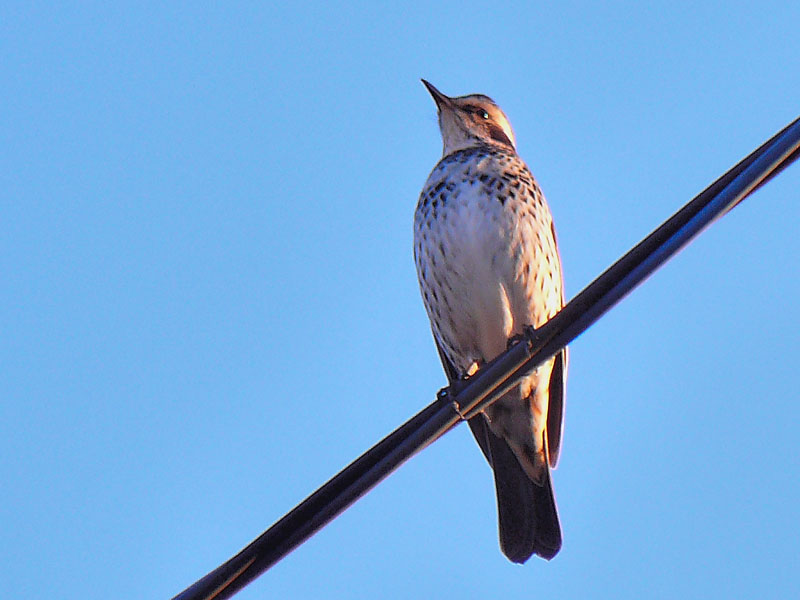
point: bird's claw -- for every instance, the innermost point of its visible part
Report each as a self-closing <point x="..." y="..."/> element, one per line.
<point x="528" y="334"/>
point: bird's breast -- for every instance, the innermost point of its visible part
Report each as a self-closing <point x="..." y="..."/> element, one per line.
<point x="476" y="234"/>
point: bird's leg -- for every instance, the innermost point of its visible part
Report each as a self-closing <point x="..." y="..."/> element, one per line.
<point x="457" y="385"/>
<point x="528" y="335"/>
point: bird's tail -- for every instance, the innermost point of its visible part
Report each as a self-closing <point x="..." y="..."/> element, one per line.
<point x="527" y="514"/>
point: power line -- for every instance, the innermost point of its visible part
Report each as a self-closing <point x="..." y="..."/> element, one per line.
<point x="467" y="398"/>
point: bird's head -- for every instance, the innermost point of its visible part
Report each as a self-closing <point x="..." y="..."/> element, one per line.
<point x="468" y="121"/>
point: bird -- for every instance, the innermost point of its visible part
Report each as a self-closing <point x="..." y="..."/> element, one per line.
<point x="488" y="267"/>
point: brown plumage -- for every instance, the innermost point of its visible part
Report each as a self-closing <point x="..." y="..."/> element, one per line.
<point x="488" y="266"/>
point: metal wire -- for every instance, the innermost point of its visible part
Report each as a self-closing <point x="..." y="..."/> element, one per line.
<point x="488" y="384"/>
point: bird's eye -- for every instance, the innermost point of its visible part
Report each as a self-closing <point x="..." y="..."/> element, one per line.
<point x="481" y="113"/>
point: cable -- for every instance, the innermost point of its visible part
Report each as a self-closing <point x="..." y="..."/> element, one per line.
<point x="469" y="397"/>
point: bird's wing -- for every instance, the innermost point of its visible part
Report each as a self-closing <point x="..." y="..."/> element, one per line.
<point x="449" y="368"/>
<point x="558" y="384"/>
<point x="476" y="423"/>
<point x="555" y="408"/>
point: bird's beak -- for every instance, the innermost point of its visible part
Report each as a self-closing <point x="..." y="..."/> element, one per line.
<point x="438" y="97"/>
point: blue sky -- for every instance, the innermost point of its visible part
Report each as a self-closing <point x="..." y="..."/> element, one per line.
<point x="209" y="303"/>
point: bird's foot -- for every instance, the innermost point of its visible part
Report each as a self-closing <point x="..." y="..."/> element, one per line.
<point x="528" y="334"/>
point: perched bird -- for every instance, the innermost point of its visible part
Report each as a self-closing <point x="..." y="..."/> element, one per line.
<point x="488" y="266"/>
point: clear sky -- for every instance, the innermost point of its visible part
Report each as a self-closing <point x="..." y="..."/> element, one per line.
<point x="209" y="306"/>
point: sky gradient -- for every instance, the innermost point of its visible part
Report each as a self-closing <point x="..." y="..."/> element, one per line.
<point x="209" y="303"/>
